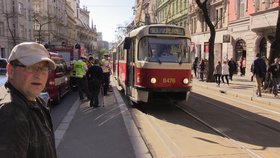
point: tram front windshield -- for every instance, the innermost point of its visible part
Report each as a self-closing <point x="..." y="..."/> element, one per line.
<point x="170" y="50"/>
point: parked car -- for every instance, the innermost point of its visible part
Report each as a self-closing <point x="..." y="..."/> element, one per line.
<point x="46" y="97"/>
<point x="3" y="64"/>
<point x="58" y="83"/>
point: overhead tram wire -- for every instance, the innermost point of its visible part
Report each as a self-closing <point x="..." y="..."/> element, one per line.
<point x="108" y="5"/>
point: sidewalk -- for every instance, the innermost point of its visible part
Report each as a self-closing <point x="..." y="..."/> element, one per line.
<point x="102" y="132"/>
<point x="240" y="87"/>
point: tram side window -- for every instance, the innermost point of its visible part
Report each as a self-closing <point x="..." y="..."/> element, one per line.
<point x="121" y="53"/>
<point x="143" y="49"/>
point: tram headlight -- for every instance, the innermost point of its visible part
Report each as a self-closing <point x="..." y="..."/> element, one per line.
<point x="153" y="80"/>
<point x="185" y="81"/>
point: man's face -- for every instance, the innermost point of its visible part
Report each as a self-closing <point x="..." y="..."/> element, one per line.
<point x="30" y="81"/>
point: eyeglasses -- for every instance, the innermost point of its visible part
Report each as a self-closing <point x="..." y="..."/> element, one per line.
<point x="33" y="69"/>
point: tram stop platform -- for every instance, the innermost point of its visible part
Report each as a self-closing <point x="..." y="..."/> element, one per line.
<point x="240" y="87"/>
<point x="103" y="132"/>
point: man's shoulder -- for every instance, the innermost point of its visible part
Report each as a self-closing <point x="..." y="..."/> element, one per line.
<point x="4" y="95"/>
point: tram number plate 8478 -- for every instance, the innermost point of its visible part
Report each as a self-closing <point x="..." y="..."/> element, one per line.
<point x="169" y="80"/>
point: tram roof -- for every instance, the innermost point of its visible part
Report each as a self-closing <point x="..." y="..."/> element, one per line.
<point x="145" y="28"/>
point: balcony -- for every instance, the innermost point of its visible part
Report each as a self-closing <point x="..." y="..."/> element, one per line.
<point x="264" y="19"/>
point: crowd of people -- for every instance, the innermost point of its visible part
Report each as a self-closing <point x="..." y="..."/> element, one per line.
<point x="266" y="76"/>
<point x="92" y="75"/>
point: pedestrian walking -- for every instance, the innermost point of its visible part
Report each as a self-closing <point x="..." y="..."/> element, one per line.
<point x="225" y="72"/>
<point x="259" y="71"/>
<point x="218" y="73"/>
<point x="202" y="69"/>
<point x="274" y="69"/>
<point x="194" y="66"/>
<point x="26" y="128"/>
<point x="242" y="65"/>
<point x="232" y="68"/>
<point x="95" y="80"/>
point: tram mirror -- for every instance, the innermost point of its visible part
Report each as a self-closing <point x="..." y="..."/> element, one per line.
<point x="127" y="42"/>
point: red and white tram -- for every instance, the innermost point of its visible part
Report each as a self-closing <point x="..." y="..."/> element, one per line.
<point x="154" y="61"/>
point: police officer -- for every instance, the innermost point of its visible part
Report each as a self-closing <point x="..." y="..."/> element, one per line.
<point x="81" y="68"/>
<point x="106" y="73"/>
<point x="95" y="80"/>
<point x="73" y="75"/>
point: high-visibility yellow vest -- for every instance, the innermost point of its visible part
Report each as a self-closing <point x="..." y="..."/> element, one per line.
<point x="79" y="68"/>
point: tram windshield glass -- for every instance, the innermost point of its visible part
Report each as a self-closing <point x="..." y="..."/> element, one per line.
<point x="171" y="50"/>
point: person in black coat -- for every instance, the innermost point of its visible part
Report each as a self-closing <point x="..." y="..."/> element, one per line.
<point x="259" y="71"/>
<point x="232" y="68"/>
<point x="95" y="80"/>
<point x="274" y="69"/>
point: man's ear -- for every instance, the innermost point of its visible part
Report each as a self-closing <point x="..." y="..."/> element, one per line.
<point x="10" y="70"/>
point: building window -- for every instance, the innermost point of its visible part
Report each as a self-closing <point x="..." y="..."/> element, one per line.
<point x="1" y="28"/>
<point x="242" y="8"/>
<point x="36" y="7"/>
<point x="29" y="15"/>
<point x="269" y="4"/>
<point x="1" y="5"/>
<point x="219" y="18"/>
<point x="258" y="4"/>
<point x="30" y="34"/>
<point x="21" y="31"/>
<point x="177" y="6"/>
<point x="173" y="8"/>
<point x="36" y="26"/>
<point x="193" y="24"/>
<point x="20" y="8"/>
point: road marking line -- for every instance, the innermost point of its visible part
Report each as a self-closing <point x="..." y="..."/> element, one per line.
<point x="64" y="124"/>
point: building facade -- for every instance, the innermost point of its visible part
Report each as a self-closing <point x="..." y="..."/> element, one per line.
<point x="173" y="12"/>
<point x="50" y="21"/>
<point x="145" y="12"/>
<point x="54" y="23"/>
<point x="15" y="24"/>
<point x="243" y="27"/>
<point x="252" y="26"/>
<point x="218" y="11"/>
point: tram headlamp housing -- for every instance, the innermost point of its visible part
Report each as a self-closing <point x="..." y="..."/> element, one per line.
<point x="185" y="81"/>
<point x="153" y="80"/>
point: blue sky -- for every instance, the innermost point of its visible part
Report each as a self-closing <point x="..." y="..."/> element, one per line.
<point x="107" y="15"/>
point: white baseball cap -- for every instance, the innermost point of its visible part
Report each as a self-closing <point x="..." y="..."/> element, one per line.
<point x="29" y="53"/>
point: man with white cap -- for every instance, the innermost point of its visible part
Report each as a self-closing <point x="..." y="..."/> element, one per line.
<point x="25" y="123"/>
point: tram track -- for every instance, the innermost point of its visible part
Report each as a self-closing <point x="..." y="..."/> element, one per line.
<point x="268" y="127"/>
<point x="162" y="143"/>
<point x="250" y="152"/>
<point x="243" y="102"/>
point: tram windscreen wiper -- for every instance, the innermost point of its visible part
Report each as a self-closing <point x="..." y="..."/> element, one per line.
<point x="180" y="60"/>
<point x="158" y="60"/>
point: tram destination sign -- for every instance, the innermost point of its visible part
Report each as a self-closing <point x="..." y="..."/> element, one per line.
<point x="167" y="30"/>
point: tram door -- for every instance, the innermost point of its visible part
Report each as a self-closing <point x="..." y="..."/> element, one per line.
<point x="129" y="67"/>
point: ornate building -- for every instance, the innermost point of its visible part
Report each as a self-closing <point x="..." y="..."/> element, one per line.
<point x="15" y="24"/>
<point x="50" y="21"/>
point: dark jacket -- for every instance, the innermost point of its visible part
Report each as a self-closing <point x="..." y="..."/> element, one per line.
<point x="25" y="127"/>
<point x="95" y="75"/>
<point x="259" y="67"/>
<point x="274" y="69"/>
